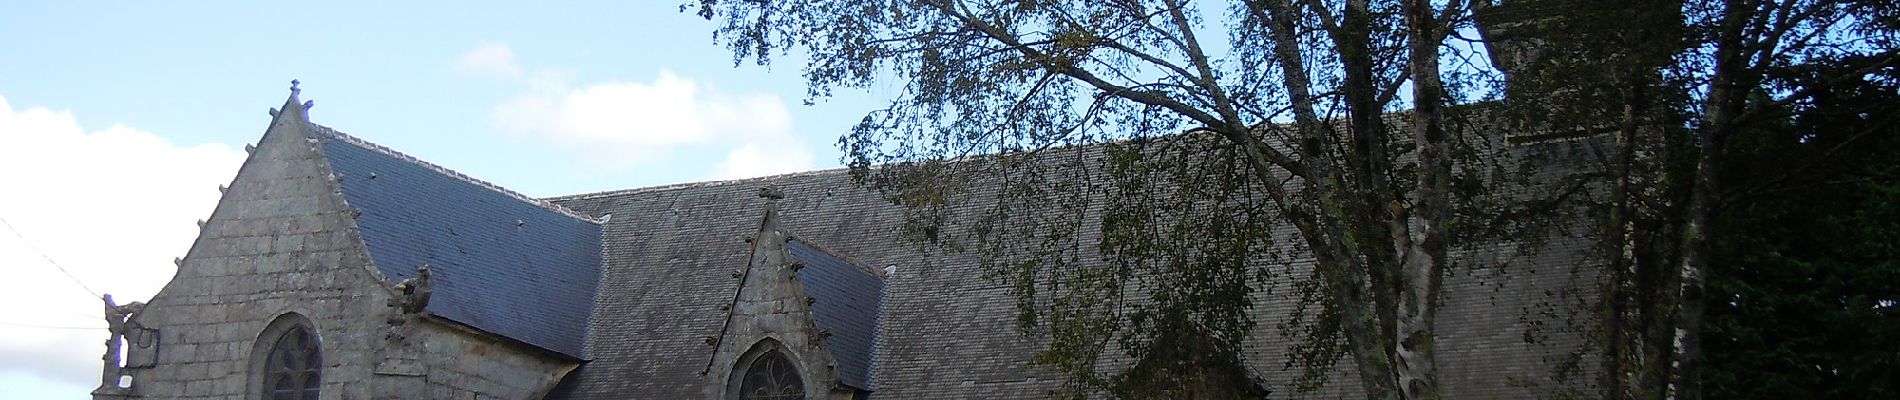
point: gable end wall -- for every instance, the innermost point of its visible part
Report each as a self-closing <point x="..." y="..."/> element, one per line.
<point x="281" y="240"/>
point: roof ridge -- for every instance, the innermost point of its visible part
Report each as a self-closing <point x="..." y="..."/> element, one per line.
<point x="544" y="204"/>
<point x="690" y="185"/>
<point x="696" y="184"/>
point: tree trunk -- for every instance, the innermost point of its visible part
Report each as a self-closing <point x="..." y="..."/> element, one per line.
<point x="1342" y="260"/>
<point x="1365" y="160"/>
<point x="1424" y="252"/>
<point x="1629" y="369"/>
<point x="1695" y="260"/>
<point x="1724" y="102"/>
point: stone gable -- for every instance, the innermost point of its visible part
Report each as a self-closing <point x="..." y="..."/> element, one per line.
<point x="283" y="243"/>
<point x="692" y="281"/>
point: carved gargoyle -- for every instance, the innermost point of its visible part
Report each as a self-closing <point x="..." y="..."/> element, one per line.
<point x="399" y="357"/>
<point x="412" y="295"/>
<point x="410" y="299"/>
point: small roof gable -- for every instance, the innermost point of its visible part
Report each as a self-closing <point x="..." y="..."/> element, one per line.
<point x="847" y="299"/>
<point x="671" y="252"/>
<point x="499" y="262"/>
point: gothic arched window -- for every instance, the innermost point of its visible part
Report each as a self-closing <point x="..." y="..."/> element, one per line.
<point x="292" y="364"/>
<point x="771" y="377"/>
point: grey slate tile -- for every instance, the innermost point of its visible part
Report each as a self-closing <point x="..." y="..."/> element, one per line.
<point x="500" y="262"/>
<point x="847" y="298"/>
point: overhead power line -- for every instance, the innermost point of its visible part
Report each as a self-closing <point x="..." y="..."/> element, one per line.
<point x="19" y="325"/>
<point x="49" y="260"/>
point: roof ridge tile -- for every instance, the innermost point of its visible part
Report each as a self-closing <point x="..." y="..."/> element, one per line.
<point x="550" y="206"/>
<point x="699" y="184"/>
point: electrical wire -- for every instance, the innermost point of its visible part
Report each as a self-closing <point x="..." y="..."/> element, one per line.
<point x="49" y="260"/>
<point x="3" y="323"/>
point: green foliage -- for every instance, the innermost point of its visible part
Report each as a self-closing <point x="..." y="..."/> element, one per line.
<point x="1137" y="186"/>
<point x="1737" y="109"/>
<point x="1807" y="271"/>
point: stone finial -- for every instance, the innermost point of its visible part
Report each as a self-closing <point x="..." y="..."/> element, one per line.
<point x="770" y="225"/>
<point x="293" y="105"/>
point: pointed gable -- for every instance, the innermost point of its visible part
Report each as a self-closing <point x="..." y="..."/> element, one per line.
<point x="499" y="262"/>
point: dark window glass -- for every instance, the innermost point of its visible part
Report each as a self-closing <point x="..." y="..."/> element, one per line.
<point x="771" y="377"/>
<point x="292" y="370"/>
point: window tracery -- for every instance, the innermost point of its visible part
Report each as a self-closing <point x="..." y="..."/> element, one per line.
<point x="771" y="377"/>
<point x="292" y="365"/>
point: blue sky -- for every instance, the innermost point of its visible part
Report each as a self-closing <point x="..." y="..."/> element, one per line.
<point x="195" y="72"/>
<point x="118" y="120"/>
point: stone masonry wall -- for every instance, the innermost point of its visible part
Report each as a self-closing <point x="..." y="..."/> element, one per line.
<point x="463" y="364"/>
<point x="772" y="305"/>
<point x="282" y="240"/>
<point x="1506" y="328"/>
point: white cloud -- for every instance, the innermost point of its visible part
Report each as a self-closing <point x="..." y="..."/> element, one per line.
<point x="490" y="59"/>
<point x="635" y="116"/>
<point x="619" y="125"/>
<point x="760" y="160"/>
<point x="114" y="207"/>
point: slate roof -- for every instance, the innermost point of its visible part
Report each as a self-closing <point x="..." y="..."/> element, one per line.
<point x="530" y="270"/>
<point x="946" y="331"/>
<point x="671" y="250"/>
<point x="847" y="303"/>
<point x="499" y="262"/>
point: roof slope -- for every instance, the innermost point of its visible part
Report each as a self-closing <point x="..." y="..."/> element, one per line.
<point x="847" y="298"/>
<point x="947" y="331"/>
<point x="670" y="254"/>
<point x="498" y="261"/>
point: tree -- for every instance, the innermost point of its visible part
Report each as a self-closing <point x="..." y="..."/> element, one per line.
<point x="1607" y="74"/>
<point x="1289" y="124"/>
<point x="1804" y="279"/>
<point x="1745" y="43"/>
<point x="1703" y="79"/>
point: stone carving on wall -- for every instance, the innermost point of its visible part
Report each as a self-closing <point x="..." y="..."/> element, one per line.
<point x="412" y="295"/>
<point x="118" y="324"/>
<point x="409" y="301"/>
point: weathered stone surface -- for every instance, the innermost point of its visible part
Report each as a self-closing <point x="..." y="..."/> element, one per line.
<point x="684" y="298"/>
<point x="946" y="332"/>
<point x="770" y="311"/>
<point x="281" y="241"/>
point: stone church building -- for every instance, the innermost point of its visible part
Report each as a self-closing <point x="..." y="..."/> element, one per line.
<point x="335" y="268"/>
